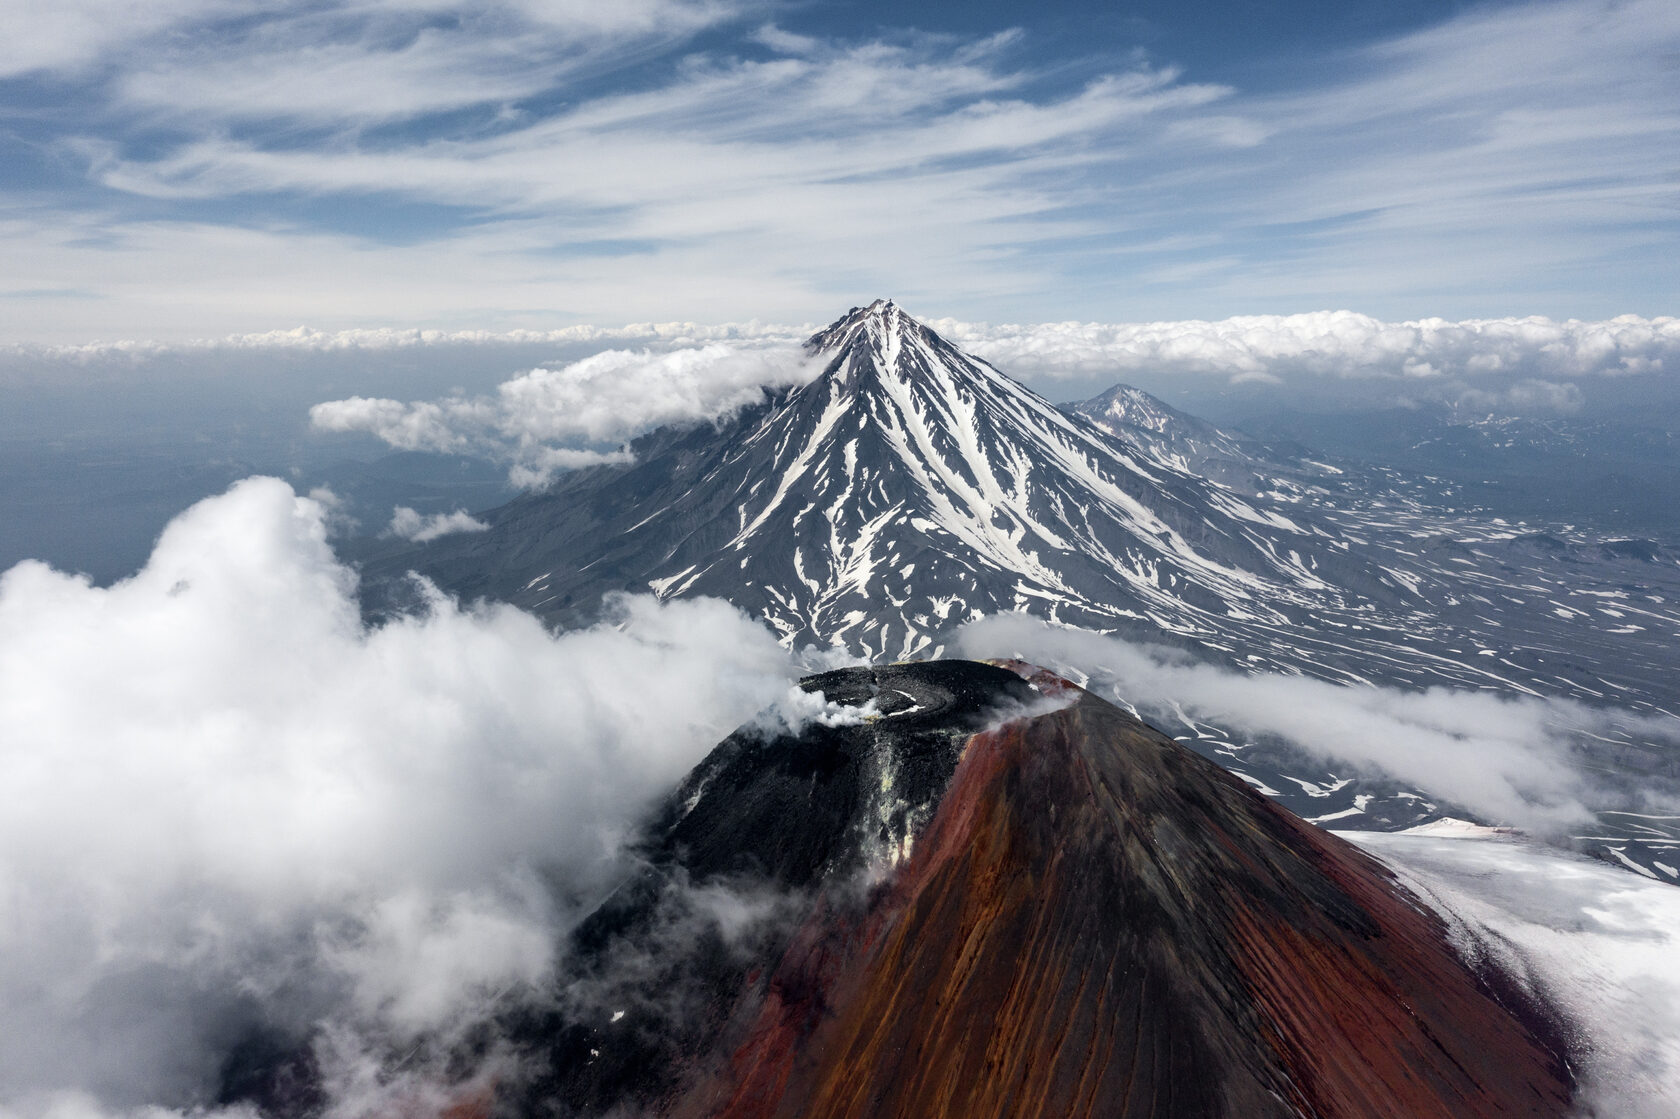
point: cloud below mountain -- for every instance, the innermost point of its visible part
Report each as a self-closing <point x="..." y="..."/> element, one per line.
<point x="1513" y="364"/>
<point x="228" y="803"/>
<point x="411" y="525"/>
<point x="606" y="398"/>
<point x="1504" y="757"/>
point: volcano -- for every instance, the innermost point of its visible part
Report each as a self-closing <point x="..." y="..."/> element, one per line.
<point x="908" y="488"/>
<point x="1177" y="442"/>
<point x="993" y="893"/>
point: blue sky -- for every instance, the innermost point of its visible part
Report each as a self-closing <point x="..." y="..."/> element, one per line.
<point x="186" y="168"/>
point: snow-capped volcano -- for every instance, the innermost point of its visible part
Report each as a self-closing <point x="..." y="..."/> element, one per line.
<point x="906" y="489"/>
<point x="1186" y="443"/>
<point x="913" y="474"/>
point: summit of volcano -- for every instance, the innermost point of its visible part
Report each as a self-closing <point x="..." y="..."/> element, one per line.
<point x="906" y="489"/>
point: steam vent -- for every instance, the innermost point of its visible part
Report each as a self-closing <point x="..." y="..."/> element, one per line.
<point x="1066" y="914"/>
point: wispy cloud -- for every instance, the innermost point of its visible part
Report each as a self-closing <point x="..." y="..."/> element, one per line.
<point x="755" y="179"/>
<point x="1505" y="757"/>
<point x="364" y="164"/>
<point x="410" y="524"/>
<point x="857" y="137"/>
<point x="1517" y="148"/>
<point x="218" y="56"/>
<point x="77" y="33"/>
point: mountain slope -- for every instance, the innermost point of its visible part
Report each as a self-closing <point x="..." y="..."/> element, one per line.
<point x="1064" y="914"/>
<point x="908" y="488"/>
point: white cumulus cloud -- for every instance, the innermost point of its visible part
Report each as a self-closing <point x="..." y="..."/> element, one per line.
<point x="411" y="525"/>
<point x="608" y="397"/>
<point x="228" y="802"/>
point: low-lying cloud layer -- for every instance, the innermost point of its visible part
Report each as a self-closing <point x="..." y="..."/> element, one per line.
<point x="1505" y="758"/>
<point x="686" y="370"/>
<point x="652" y="334"/>
<point x="1268" y="349"/>
<point x="228" y="803"/>
<point x="551" y="419"/>
<point x="1515" y="364"/>
<point x="609" y="397"/>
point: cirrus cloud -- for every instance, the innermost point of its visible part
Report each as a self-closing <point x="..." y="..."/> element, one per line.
<point x="405" y="164"/>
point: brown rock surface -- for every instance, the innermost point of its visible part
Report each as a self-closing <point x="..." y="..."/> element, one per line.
<point x="1098" y="922"/>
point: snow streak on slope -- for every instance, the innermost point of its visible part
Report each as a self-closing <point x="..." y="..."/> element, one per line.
<point x="1182" y="442"/>
<point x="912" y="487"/>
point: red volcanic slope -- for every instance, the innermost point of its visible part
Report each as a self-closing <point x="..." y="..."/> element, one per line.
<point x="1099" y="922"/>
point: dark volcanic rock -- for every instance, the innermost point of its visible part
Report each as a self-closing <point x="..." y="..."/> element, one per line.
<point x="1000" y="896"/>
<point x="774" y="824"/>
<point x="1068" y="914"/>
<point x="803" y="810"/>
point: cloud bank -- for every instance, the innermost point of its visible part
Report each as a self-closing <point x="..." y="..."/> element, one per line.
<point x="1326" y="359"/>
<point x="658" y="335"/>
<point x="551" y="419"/>
<point x="1267" y="349"/>
<point x="229" y="805"/>
<point x="609" y="397"/>
<point x="1505" y="758"/>
<point x="1516" y="364"/>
